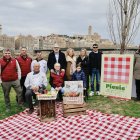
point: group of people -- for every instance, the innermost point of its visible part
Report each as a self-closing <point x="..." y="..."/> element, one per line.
<point x="28" y="76"/>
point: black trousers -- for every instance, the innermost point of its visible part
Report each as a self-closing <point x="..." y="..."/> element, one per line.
<point x="29" y="94"/>
<point x="22" y="81"/>
<point x="138" y="88"/>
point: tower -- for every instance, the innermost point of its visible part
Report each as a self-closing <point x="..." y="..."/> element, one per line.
<point x="89" y="30"/>
<point x="0" y="29"/>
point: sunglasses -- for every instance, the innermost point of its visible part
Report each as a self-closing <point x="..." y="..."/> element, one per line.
<point x="95" y="47"/>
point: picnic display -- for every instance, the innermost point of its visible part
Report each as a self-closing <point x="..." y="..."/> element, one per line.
<point x="73" y="92"/>
<point x="116" y="75"/>
<point x="47" y="105"/>
<point x="73" y="99"/>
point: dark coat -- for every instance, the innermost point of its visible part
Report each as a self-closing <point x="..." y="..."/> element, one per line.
<point x="84" y="64"/>
<point x="77" y="76"/>
<point x="92" y="61"/>
<point x="85" y="67"/>
<point x="52" y="60"/>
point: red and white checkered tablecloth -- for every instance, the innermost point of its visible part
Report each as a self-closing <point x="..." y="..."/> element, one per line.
<point x="93" y="126"/>
<point x="116" y="70"/>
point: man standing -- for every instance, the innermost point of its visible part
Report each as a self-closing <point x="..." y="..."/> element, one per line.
<point x="36" y="81"/>
<point x="41" y="61"/>
<point x="25" y="64"/>
<point x="56" y="57"/>
<point x="10" y="76"/>
<point x="95" y="68"/>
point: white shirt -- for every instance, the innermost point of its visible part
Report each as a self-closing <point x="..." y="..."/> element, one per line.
<point x="38" y="79"/>
<point x="57" y="57"/>
<point x="43" y="65"/>
<point x="18" y="70"/>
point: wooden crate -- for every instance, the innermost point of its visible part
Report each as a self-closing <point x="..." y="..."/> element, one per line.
<point x="74" y="109"/>
<point x="47" y="110"/>
<point x="73" y="100"/>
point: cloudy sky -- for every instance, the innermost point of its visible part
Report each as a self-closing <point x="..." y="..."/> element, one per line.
<point x="43" y="17"/>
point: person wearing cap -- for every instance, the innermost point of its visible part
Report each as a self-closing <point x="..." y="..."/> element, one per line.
<point x="41" y="61"/>
<point x="56" y="56"/>
<point x="95" y="58"/>
<point x="25" y="64"/>
<point x="10" y="76"/>
<point x="36" y="81"/>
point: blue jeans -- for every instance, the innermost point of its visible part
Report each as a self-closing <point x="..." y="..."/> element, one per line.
<point x="95" y="73"/>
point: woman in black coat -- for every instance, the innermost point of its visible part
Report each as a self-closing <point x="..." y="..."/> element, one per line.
<point x="83" y="61"/>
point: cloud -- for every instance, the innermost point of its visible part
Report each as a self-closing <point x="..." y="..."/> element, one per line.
<point x="42" y="17"/>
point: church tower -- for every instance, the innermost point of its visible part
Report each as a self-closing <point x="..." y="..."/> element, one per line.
<point x="89" y="30"/>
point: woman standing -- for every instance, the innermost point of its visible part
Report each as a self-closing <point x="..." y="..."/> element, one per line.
<point x="83" y="61"/>
<point x="71" y="63"/>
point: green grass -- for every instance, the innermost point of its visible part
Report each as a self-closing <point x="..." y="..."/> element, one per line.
<point x="14" y="107"/>
<point x="114" y="106"/>
<point x="99" y="103"/>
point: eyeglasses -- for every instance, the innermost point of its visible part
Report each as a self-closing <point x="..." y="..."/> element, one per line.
<point x="95" y="47"/>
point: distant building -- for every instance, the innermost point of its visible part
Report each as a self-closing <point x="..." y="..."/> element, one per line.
<point x="7" y="42"/>
<point x="24" y="41"/>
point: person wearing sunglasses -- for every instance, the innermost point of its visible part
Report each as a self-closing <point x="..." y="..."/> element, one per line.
<point x="95" y="69"/>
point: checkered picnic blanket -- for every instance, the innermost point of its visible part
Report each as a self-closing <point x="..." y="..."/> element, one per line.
<point x="93" y="126"/>
<point x="116" y="69"/>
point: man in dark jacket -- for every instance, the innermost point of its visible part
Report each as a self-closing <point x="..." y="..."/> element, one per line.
<point x="95" y="68"/>
<point x="56" y="56"/>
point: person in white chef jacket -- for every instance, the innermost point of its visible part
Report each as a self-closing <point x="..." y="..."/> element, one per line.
<point x="36" y="81"/>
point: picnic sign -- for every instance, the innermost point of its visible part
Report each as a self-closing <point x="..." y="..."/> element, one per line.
<point x="73" y="88"/>
<point x="116" y="75"/>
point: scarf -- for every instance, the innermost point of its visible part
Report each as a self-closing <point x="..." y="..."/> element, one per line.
<point x="73" y="63"/>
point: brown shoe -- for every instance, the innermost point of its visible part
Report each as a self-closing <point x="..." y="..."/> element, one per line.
<point x="30" y="111"/>
<point x="38" y="112"/>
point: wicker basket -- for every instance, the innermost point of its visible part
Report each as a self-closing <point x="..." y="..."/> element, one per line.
<point x="73" y="100"/>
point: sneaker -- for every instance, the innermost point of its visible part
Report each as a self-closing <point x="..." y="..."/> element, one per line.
<point x="30" y="111"/>
<point x="8" y="110"/>
<point x="136" y="99"/>
<point x="38" y="112"/>
<point x="91" y="93"/>
<point x="33" y="101"/>
<point x="97" y="92"/>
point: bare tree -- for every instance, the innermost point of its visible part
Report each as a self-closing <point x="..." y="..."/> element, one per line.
<point x="123" y="21"/>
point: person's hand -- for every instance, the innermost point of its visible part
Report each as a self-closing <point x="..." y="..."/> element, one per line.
<point x="52" y="70"/>
<point x="56" y="88"/>
<point x="62" y="69"/>
<point x="59" y="88"/>
<point x="35" y="88"/>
